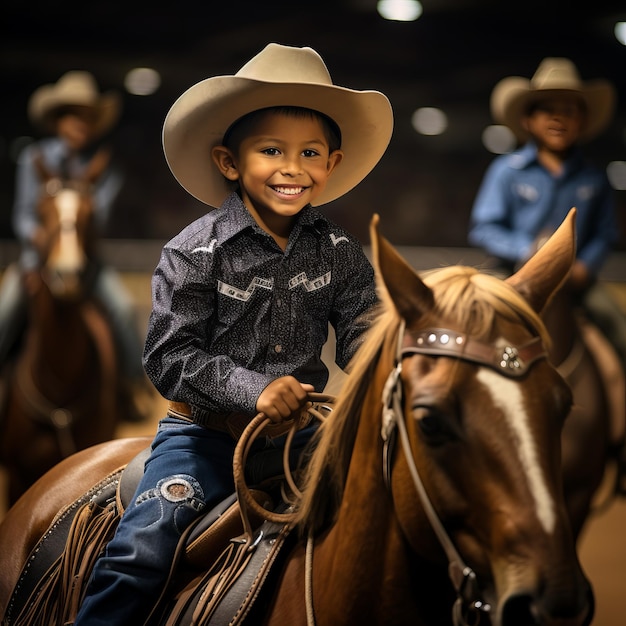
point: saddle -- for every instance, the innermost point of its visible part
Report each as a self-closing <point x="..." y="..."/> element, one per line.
<point x="614" y="380"/>
<point x="241" y="537"/>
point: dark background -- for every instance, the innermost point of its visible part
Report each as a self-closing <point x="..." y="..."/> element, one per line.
<point x="450" y="58"/>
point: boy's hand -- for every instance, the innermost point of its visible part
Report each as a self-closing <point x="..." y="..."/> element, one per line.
<point x="283" y="397"/>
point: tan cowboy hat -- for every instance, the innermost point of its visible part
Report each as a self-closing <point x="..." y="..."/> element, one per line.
<point x="277" y="76"/>
<point x="512" y="96"/>
<point x="75" y="88"/>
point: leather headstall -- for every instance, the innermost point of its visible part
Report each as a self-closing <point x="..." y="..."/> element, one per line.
<point x="506" y="359"/>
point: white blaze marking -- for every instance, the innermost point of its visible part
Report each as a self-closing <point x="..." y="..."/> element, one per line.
<point x="507" y="396"/>
<point x="70" y="256"/>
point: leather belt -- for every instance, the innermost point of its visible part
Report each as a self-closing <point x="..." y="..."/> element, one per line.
<point x="233" y="423"/>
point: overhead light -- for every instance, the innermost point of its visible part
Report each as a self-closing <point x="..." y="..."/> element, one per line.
<point x="616" y="172"/>
<point x="429" y="121"/>
<point x="142" y="81"/>
<point x="399" y="10"/>
<point x="499" y="139"/>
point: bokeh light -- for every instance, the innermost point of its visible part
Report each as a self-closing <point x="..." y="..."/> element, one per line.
<point x="429" y="121"/>
<point x="142" y="81"/>
<point x="616" y="172"/>
<point x="498" y="139"/>
<point x="399" y="10"/>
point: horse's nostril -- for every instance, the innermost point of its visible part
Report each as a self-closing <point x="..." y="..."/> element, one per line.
<point x="525" y="610"/>
<point x="517" y="611"/>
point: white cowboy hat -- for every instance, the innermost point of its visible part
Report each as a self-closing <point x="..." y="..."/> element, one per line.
<point x="512" y="96"/>
<point x="277" y="76"/>
<point x="75" y="88"/>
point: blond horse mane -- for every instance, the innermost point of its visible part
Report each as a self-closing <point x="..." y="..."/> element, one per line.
<point x="463" y="296"/>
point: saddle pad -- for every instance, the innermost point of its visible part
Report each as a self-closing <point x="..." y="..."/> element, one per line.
<point x="50" y="547"/>
<point x="130" y="479"/>
<point x="613" y="378"/>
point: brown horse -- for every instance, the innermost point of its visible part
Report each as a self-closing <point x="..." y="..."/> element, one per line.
<point x="434" y="494"/>
<point x="593" y="437"/>
<point x="61" y="388"/>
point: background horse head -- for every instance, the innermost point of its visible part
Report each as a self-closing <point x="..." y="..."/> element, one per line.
<point x="593" y="436"/>
<point x="434" y="494"/>
<point x="66" y="236"/>
<point x="62" y="388"/>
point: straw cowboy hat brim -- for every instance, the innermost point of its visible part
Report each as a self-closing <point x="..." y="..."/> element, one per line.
<point x="512" y="96"/>
<point x="277" y="76"/>
<point x="74" y="89"/>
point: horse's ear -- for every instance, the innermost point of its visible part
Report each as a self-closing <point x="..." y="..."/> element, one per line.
<point x="542" y="275"/>
<point x="397" y="279"/>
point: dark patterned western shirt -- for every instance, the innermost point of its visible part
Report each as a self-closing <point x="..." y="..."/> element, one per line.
<point x="231" y="311"/>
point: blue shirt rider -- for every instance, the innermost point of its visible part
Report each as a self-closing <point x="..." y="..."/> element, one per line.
<point x="77" y="116"/>
<point x="526" y="194"/>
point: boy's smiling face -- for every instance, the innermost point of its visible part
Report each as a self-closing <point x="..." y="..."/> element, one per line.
<point x="281" y="165"/>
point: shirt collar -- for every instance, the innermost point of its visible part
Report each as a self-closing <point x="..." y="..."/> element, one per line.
<point x="236" y="218"/>
<point x="527" y="155"/>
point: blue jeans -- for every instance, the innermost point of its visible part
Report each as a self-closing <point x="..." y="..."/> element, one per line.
<point x="189" y="471"/>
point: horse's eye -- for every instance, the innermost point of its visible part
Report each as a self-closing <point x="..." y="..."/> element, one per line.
<point x="432" y="424"/>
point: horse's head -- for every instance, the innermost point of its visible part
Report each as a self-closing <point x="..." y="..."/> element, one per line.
<point x="479" y="410"/>
<point x="66" y="233"/>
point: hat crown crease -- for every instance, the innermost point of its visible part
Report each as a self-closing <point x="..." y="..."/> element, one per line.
<point x="294" y="66"/>
<point x="557" y="78"/>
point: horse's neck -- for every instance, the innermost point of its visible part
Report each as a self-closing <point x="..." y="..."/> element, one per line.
<point x="57" y="342"/>
<point x="366" y="573"/>
<point x="562" y="324"/>
<point x="363" y="564"/>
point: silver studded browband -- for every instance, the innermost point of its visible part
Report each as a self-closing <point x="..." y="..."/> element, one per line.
<point x="507" y="359"/>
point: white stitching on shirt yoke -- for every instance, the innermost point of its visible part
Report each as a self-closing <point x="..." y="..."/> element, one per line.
<point x="240" y="294"/>
<point x="310" y="285"/>
<point x="208" y="248"/>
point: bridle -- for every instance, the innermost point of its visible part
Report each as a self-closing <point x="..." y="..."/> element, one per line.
<point x="508" y="360"/>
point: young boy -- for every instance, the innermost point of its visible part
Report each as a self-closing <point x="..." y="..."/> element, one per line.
<point x="529" y="191"/>
<point x="242" y="297"/>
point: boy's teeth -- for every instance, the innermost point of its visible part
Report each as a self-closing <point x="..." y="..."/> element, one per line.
<point x="289" y="190"/>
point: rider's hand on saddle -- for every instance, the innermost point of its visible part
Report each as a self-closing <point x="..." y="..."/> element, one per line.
<point x="282" y="398"/>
